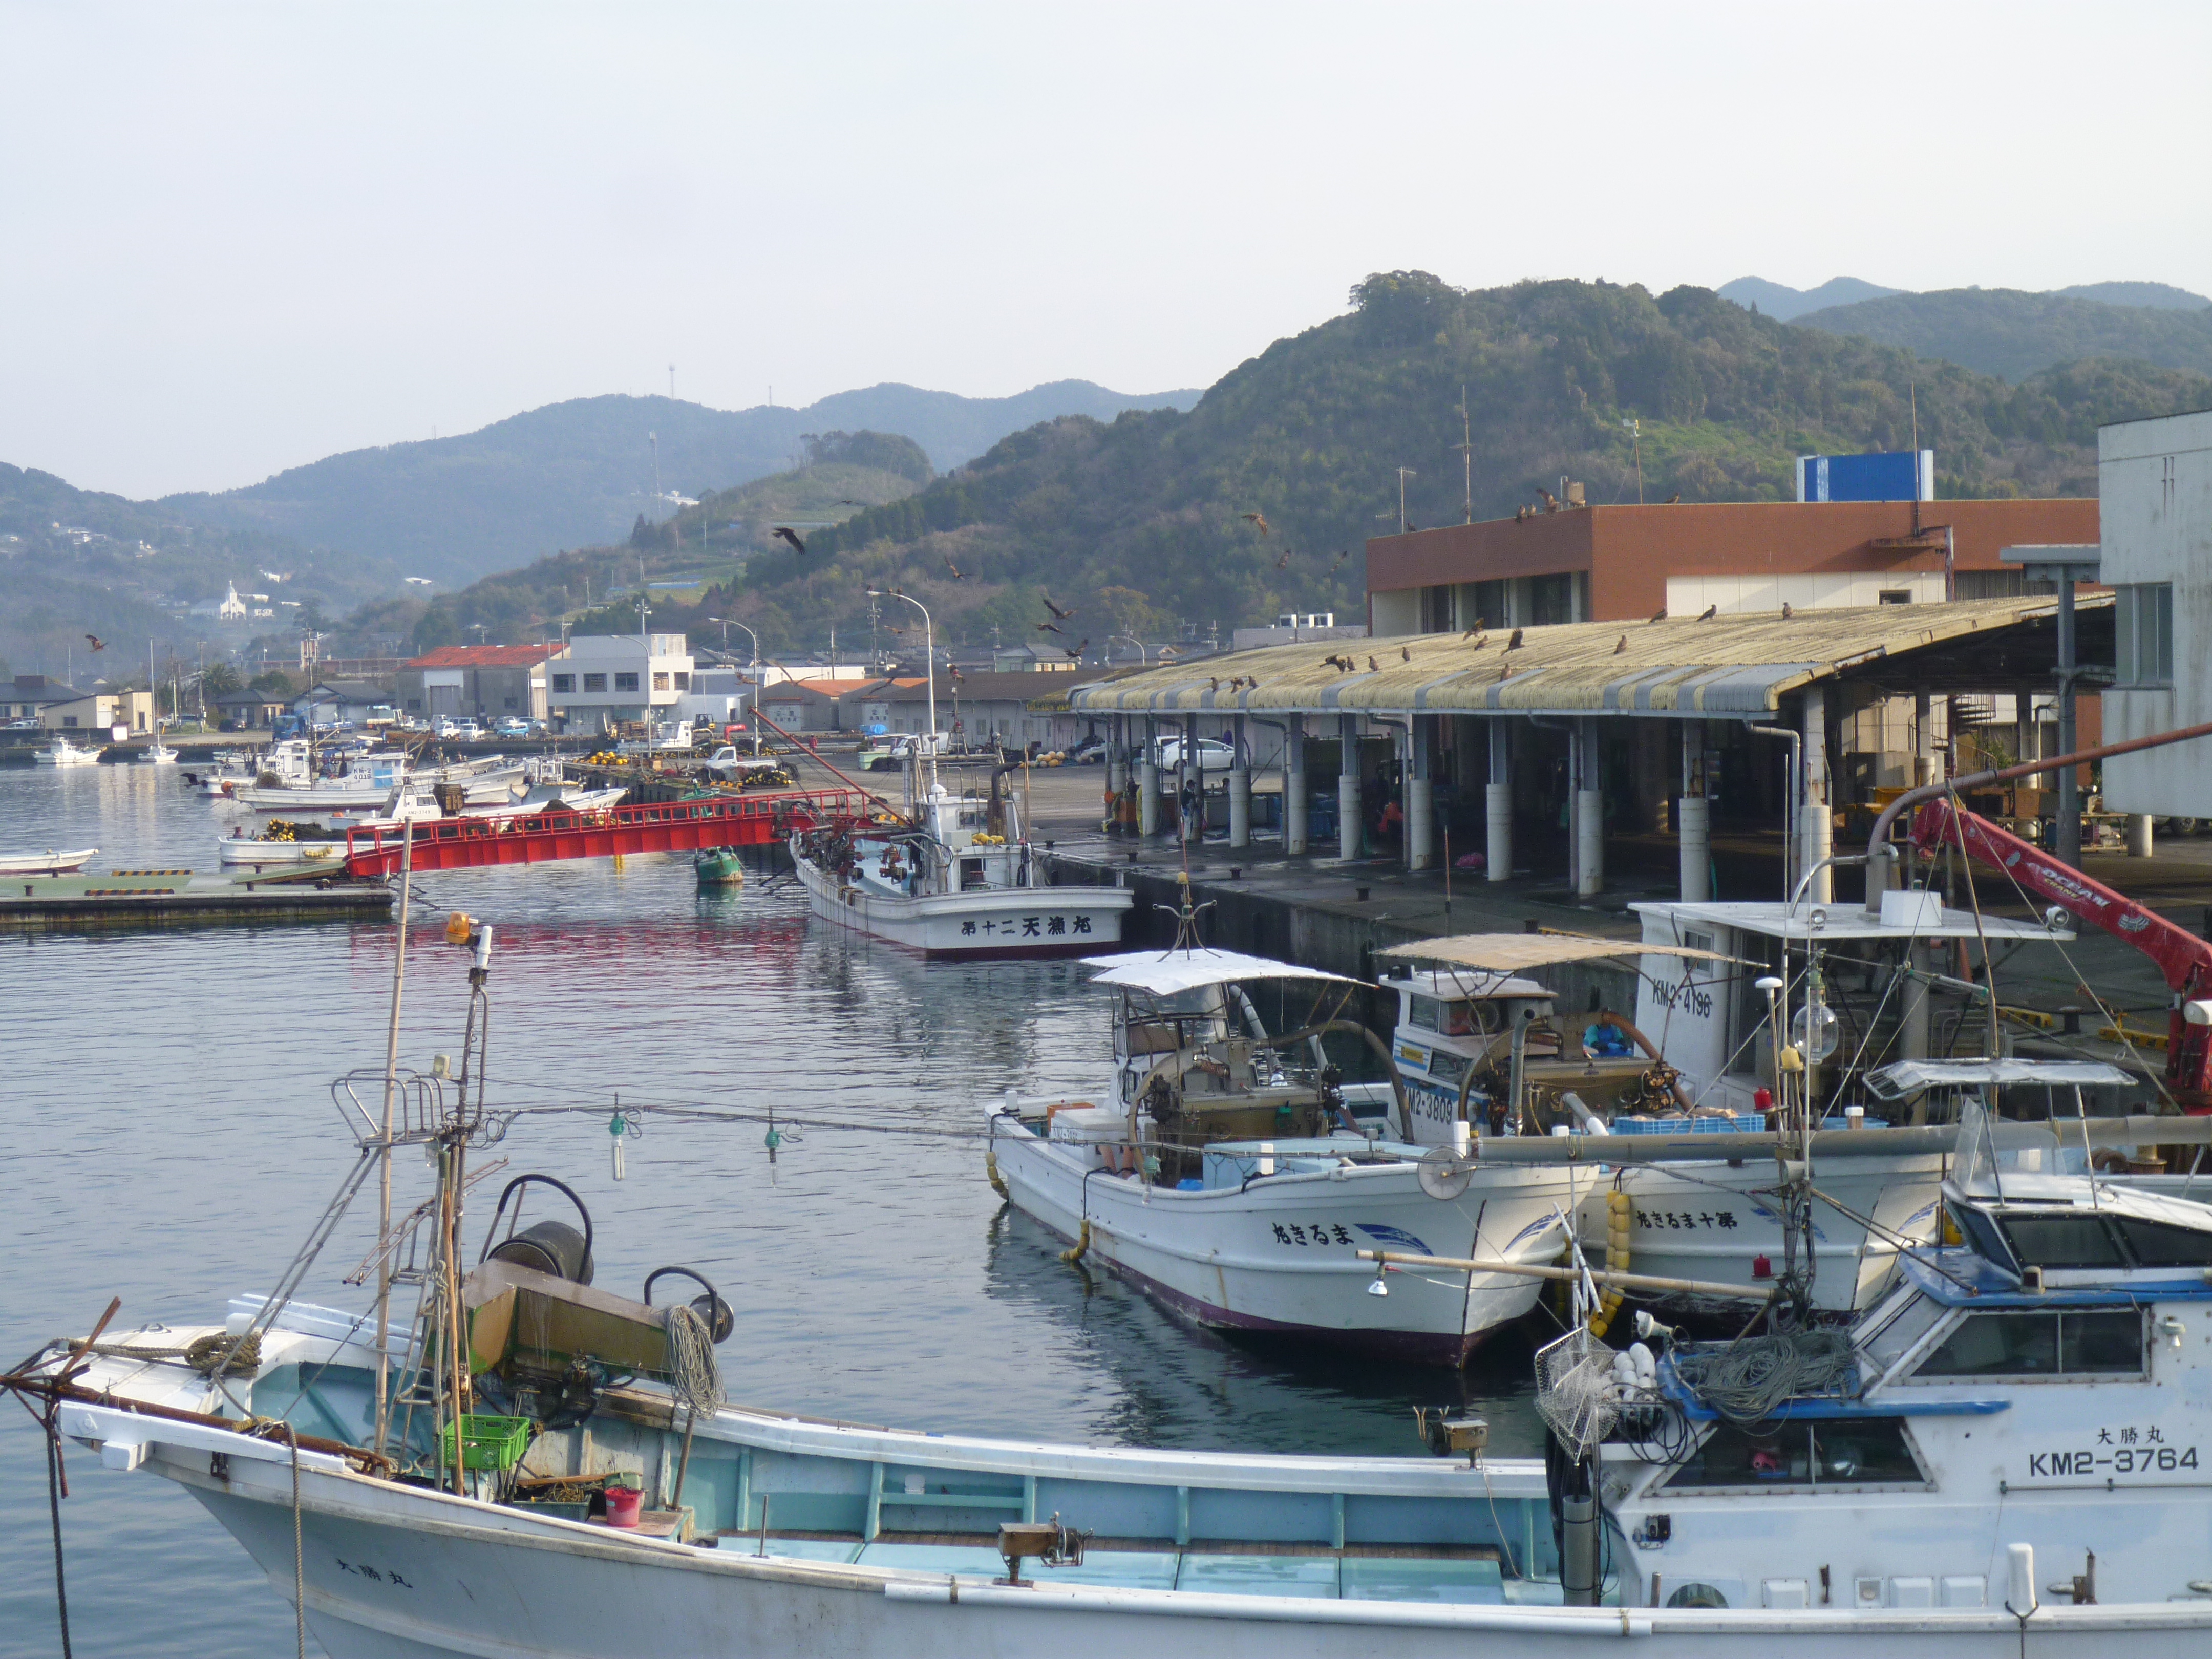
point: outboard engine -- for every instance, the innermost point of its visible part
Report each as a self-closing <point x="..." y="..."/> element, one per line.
<point x="546" y="1247"/>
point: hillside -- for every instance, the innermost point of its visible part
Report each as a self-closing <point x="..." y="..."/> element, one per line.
<point x="1783" y="303"/>
<point x="1138" y="522"/>
<point x="2011" y="334"/>
<point x="74" y="562"/>
<point x="577" y="473"/>
<point x="2159" y="296"/>
<point x="702" y="546"/>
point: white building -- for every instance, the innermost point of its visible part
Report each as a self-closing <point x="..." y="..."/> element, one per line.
<point x="602" y="680"/>
<point x="2154" y="501"/>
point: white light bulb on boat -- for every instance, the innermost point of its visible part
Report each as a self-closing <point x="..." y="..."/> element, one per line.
<point x="1378" y="1288"/>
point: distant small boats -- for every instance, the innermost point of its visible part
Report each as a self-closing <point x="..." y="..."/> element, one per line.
<point x="62" y="752"/>
<point x="160" y="755"/>
<point x="48" y="863"/>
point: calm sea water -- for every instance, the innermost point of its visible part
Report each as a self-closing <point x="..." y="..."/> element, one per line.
<point x="172" y="1140"/>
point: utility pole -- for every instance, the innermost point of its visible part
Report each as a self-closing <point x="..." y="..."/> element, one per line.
<point x="654" y="438"/>
<point x="1636" y="439"/>
<point x="1466" y="447"/>
<point x="1404" y="473"/>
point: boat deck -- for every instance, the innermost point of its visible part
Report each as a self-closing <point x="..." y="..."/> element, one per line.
<point x="179" y="897"/>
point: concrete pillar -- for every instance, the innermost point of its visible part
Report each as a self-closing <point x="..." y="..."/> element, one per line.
<point x="1589" y="811"/>
<point x="1420" y="796"/>
<point x="1347" y="788"/>
<point x="1818" y="819"/>
<point x="1694" y="818"/>
<point x="1498" y="803"/>
<point x="1240" y="785"/>
<point x="1148" y="780"/>
<point x="2139" y="834"/>
<point x="1294" y="783"/>
<point x="1924" y="739"/>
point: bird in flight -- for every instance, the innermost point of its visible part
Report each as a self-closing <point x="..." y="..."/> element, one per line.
<point x="1284" y="563"/>
<point x="1622" y="646"/>
<point x="1165" y="650"/>
<point x="958" y="574"/>
<point x="1050" y="628"/>
<point x="1075" y="652"/>
<point x="1260" y="519"/>
<point x="847" y="500"/>
<point x="96" y="643"/>
<point x="1474" y="630"/>
<point x="1340" y="558"/>
<point x="1058" y="614"/>
<point x="1514" y="644"/>
<point x="1709" y="612"/>
<point x="784" y="532"/>
<point x="1551" y="501"/>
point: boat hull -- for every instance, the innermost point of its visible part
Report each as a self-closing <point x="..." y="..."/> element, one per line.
<point x="390" y="1571"/>
<point x="997" y="921"/>
<point x="46" y="864"/>
<point x="1281" y="1255"/>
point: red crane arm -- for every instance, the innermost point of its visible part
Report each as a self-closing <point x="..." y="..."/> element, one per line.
<point x="2183" y="959"/>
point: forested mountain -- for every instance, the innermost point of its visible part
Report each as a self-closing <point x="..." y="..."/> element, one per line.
<point x="2006" y="332"/>
<point x="74" y="562"/>
<point x="1784" y="304"/>
<point x="577" y="473"/>
<point x="1143" y="520"/>
<point x="2159" y="296"/>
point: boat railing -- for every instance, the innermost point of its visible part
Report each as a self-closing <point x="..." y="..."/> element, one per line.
<point x="419" y="1106"/>
<point x="367" y="841"/>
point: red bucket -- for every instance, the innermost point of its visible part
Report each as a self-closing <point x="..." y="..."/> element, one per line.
<point x="622" y="1505"/>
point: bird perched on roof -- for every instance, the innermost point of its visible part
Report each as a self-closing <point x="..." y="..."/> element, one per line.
<point x="1672" y="499"/>
<point x="1786" y="613"/>
<point x="1058" y="614"/>
<point x="1048" y="628"/>
<point x="1479" y="643"/>
<point x="1213" y="683"/>
<point x="784" y="532"/>
<point x="1622" y="646"/>
<point x="1259" y="519"/>
<point x="1660" y="615"/>
<point x="1521" y="515"/>
<point x="1551" y="501"/>
<point x="96" y="643"/>
<point x="1405" y="654"/>
<point x="1708" y="613"/>
<point x="1373" y="666"/>
<point x="1342" y="665"/>
<point x="1514" y="644"/>
<point x="958" y="574"/>
<point x="1472" y="631"/>
<point x="1407" y="527"/>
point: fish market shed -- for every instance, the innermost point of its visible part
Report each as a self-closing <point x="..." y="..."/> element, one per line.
<point x="1566" y="732"/>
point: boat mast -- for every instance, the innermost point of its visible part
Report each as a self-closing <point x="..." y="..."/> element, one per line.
<point x="384" y="1174"/>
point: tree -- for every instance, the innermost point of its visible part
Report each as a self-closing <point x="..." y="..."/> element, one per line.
<point x="220" y="679"/>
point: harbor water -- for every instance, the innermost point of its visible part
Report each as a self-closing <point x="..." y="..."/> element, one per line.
<point x="174" y="1139"/>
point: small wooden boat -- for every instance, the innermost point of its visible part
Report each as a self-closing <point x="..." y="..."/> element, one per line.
<point x="48" y="863"/>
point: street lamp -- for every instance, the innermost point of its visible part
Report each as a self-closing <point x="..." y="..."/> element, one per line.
<point x="1143" y="655"/>
<point x="929" y="664"/>
<point x="728" y="622"/>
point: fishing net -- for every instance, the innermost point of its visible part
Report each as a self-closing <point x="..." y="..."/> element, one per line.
<point x="1575" y="1394"/>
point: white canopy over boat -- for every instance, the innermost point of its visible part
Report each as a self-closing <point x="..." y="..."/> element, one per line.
<point x="1513" y="953"/>
<point x="1910" y="1076"/>
<point x="1166" y="973"/>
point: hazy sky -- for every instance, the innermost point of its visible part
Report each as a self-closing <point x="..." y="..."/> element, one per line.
<point x="233" y="239"/>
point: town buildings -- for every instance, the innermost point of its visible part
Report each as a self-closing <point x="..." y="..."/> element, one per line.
<point x="484" y="682"/>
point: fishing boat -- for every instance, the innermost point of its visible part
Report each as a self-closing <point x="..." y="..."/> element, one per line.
<point x="2007" y="1453"/>
<point x="1225" y="1167"/>
<point x="281" y="845"/>
<point x="291" y="780"/>
<point x="719" y="867"/>
<point x="48" y="863"/>
<point x="223" y="774"/>
<point x="954" y="877"/>
<point x="62" y="752"/>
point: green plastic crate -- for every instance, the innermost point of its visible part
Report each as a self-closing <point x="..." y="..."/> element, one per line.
<point x="489" y="1442"/>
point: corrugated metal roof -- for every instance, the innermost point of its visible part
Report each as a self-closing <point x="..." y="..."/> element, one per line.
<point x="1734" y="664"/>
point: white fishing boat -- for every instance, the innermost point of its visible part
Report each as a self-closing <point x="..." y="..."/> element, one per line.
<point x="2007" y="1455"/>
<point x="1223" y="1167"/>
<point x="277" y="851"/>
<point x="158" y="754"/>
<point x="223" y="774"/>
<point x="48" y="863"/>
<point x="363" y="781"/>
<point x="62" y="752"/>
<point x="957" y="877"/>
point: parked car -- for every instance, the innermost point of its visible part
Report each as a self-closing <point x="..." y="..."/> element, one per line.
<point x="1207" y="754"/>
<point x="512" y="727"/>
<point x="1091" y="751"/>
<point x="460" y="731"/>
